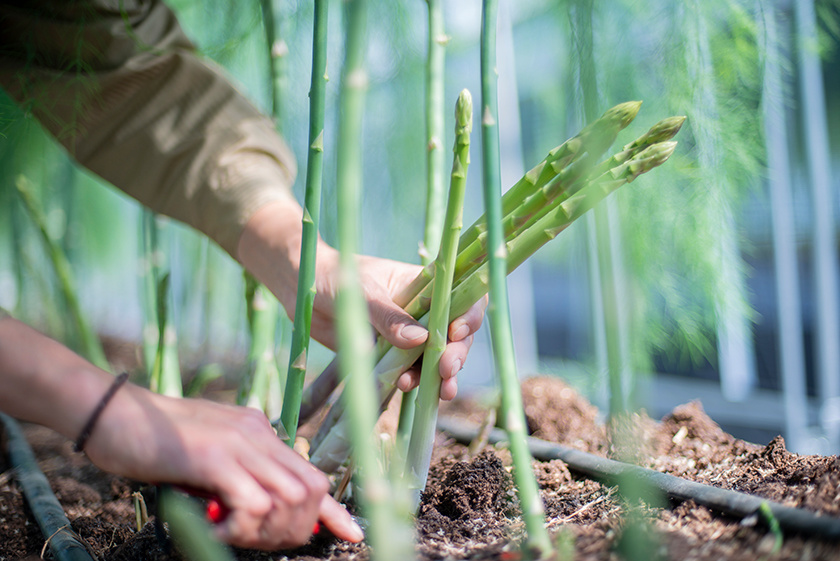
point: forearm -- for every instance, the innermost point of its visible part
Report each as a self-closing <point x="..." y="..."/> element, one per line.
<point x="46" y="383"/>
<point x="269" y="248"/>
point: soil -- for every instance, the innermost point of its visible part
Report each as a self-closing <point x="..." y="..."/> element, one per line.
<point x="470" y="510"/>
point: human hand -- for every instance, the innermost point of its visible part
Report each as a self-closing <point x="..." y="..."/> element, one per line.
<point x="270" y="249"/>
<point x="382" y="280"/>
<point x="272" y="496"/>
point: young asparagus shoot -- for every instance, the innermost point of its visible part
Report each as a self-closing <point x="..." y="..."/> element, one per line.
<point x="435" y="179"/>
<point x="263" y="313"/>
<point x="311" y="217"/>
<point x="89" y="344"/>
<point x="389" y="533"/>
<point x="538" y="543"/>
<point x="165" y="375"/>
<point x="425" y="417"/>
<point x="190" y="531"/>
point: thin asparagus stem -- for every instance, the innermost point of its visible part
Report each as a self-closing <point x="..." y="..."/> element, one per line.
<point x="305" y="302"/>
<point x="263" y="311"/>
<point x="513" y="414"/>
<point x="419" y="453"/>
<point x="165" y="372"/>
<point x="435" y="178"/>
<point x="389" y="533"/>
<point x="264" y="374"/>
<point x="89" y="344"/>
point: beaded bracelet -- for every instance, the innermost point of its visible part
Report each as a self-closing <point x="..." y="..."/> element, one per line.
<point x="97" y="412"/>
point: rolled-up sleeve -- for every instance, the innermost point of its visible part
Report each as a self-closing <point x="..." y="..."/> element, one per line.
<point x="123" y="90"/>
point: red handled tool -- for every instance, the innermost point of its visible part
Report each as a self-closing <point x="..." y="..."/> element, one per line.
<point x="216" y="512"/>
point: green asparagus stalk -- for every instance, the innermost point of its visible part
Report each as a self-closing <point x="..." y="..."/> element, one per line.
<point x="190" y="530"/>
<point x="425" y="418"/>
<point x="89" y="344"/>
<point x="435" y="186"/>
<point x="151" y="275"/>
<point x="165" y="372"/>
<point x="263" y="313"/>
<point x="160" y="343"/>
<point x="331" y="449"/>
<point x="389" y="534"/>
<point x="277" y="51"/>
<point x="311" y="217"/>
<point x="263" y="374"/>
<point x="538" y="543"/>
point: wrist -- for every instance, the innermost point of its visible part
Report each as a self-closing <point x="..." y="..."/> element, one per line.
<point x="270" y="246"/>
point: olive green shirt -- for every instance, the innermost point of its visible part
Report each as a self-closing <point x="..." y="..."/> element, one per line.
<point x="121" y="87"/>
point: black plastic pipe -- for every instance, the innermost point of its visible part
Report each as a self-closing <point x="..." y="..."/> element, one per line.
<point x="65" y="543"/>
<point x="733" y="503"/>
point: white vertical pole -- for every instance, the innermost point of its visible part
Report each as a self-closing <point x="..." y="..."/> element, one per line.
<point x="825" y="249"/>
<point x="791" y="353"/>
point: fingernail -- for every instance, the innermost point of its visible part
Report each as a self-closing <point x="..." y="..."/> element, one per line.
<point x="460" y="332"/>
<point x="455" y="368"/>
<point x="412" y="332"/>
<point x="356" y="532"/>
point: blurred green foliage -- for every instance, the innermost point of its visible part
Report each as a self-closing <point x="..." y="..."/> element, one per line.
<point x="700" y="59"/>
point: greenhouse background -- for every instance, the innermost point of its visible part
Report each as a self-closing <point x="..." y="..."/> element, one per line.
<point x="723" y="262"/>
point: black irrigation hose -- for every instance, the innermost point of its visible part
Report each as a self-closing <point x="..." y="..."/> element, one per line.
<point x="65" y="543"/>
<point x="734" y="503"/>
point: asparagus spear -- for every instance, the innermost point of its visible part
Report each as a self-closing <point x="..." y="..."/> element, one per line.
<point x="541" y="202"/>
<point x="263" y="313"/>
<point x="389" y="533"/>
<point x="311" y="218"/>
<point x="89" y="344"/>
<point x="435" y="178"/>
<point x="425" y="417"/>
<point x="538" y="543"/>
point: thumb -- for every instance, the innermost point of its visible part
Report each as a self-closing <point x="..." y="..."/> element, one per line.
<point x="396" y="326"/>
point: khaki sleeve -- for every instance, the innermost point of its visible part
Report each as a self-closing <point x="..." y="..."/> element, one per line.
<point x="122" y="89"/>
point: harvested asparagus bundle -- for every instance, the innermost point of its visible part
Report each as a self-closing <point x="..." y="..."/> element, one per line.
<point x="545" y="184"/>
<point x="592" y="141"/>
<point x="330" y="448"/>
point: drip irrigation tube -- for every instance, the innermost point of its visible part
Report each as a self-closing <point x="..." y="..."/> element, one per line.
<point x="65" y="543"/>
<point x="734" y="503"/>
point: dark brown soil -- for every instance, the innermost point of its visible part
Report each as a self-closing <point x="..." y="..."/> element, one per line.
<point x="470" y="510"/>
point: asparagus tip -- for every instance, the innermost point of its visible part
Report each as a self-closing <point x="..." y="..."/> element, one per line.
<point x="624" y="112"/>
<point x="666" y="128"/>
<point x="651" y="157"/>
<point x="463" y="111"/>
